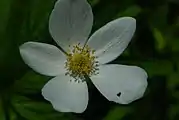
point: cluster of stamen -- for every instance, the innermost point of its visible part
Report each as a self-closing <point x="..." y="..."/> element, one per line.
<point x="81" y="61"/>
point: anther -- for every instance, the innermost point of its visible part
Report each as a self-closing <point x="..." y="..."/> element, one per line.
<point x="81" y="61"/>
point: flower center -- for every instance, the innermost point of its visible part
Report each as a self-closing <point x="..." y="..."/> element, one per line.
<point x="81" y="61"/>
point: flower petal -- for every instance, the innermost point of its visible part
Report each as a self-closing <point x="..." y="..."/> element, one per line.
<point x="66" y="95"/>
<point x="70" y="22"/>
<point x="43" y="58"/>
<point x="111" y="40"/>
<point x="129" y="82"/>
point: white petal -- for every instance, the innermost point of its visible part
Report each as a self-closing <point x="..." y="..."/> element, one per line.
<point x="111" y="40"/>
<point x="66" y="95"/>
<point x="70" y="22"/>
<point x="43" y="58"/>
<point x="130" y="81"/>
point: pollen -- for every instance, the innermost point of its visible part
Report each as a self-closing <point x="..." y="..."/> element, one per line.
<point x="81" y="61"/>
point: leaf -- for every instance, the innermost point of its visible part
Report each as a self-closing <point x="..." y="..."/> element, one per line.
<point x="173" y="81"/>
<point x="5" y="6"/>
<point x="160" y="42"/>
<point x="173" y="112"/>
<point x="117" y="113"/>
<point x="174" y="44"/>
<point x="158" y="17"/>
<point x="93" y="2"/>
<point x="132" y="11"/>
<point x="22" y="21"/>
<point x="157" y="67"/>
<point x="31" y="83"/>
<point x="32" y="110"/>
<point x="2" y="117"/>
<point x="13" y="116"/>
<point x="39" y="17"/>
<point x="173" y="85"/>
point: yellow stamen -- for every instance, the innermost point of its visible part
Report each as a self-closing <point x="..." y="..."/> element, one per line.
<point x="81" y="61"/>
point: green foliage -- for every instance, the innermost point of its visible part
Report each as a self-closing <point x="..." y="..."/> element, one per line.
<point x="117" y="113"/>
<point x="33" y="110"/>
<point x="132" y="11"/>
<point x="154" y="47"/>
<point x="30" y="83"/>
<point x="160" y="42"/>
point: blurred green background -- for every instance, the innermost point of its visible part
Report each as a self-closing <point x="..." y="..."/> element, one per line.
<point x="154" y="47"/>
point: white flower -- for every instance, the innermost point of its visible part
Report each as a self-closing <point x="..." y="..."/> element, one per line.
<point x="70" y="23"/>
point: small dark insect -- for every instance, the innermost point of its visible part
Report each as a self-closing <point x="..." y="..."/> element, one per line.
<point x="119" y="94"/>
